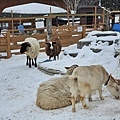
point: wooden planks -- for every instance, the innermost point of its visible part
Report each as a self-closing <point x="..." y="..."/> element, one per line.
<point x="68" y="35"/>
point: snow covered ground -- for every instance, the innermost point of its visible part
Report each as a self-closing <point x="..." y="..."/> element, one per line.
<point x="19" y="85"/>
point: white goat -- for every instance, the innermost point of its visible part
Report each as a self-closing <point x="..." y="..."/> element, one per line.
<point x="87" y="79"/>
<point x="31" y="48"/>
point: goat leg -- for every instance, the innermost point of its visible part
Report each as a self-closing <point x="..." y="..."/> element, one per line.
<point x="49" y="57"/>
<point x="35" y="61"/>
<point x="57" y="57"/>
<point x="32" y="62"/>
<point x="27" y="60"/>
<point x="54" y="57"/>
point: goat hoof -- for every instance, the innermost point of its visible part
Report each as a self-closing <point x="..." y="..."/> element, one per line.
<point x="86" y="107"/>
<point x="73" y="110"/>
<point x="90" y="99"/>
<point x="101" y="98"/>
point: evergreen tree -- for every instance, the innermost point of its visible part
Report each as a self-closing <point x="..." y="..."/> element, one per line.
<point x="111" y="4"/>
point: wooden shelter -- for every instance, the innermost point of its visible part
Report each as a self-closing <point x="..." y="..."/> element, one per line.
<point x="90" y="19"/>
<point x="113" y="15"/>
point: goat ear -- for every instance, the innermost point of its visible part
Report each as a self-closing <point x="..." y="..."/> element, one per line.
<point x="76" y="65"/>
<point x="67" y="67"/>
<point x="21" y="44"/>
<point x="28" y="44"/>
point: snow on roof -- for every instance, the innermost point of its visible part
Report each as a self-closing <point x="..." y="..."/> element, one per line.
<point x="34" y="8"/>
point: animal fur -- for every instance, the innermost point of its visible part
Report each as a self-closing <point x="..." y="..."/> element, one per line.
<point x="55" y="93"/>
<point x="55" y="50"/>
<point x="31" y="48"/>
<point x="87" y="79"/>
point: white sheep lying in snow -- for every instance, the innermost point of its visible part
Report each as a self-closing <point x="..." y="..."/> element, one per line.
<point x="31" y="48"/>
<point x="55" y="93"/>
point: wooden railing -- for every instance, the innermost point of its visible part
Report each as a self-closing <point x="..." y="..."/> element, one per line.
<point x="10" y="41"/>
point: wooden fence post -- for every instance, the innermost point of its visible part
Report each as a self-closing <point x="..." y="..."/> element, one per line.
<point x="83" y="31"/>
<point x="95" y="18"/>
<point x="8" y="44"/>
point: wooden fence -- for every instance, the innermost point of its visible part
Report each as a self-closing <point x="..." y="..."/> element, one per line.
<point x="68" y="35"/>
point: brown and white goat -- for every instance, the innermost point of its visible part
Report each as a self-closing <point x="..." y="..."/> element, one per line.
<point x="53" y="48"/>
<point x="49" y="49"/>
<point x="87" y="79"/>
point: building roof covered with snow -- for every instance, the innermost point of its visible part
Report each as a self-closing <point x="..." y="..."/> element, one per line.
<point x="34" y="8"/>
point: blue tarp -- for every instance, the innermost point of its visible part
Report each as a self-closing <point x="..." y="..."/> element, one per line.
<point x="116" y="27"/>
<point x="21" y="29"/>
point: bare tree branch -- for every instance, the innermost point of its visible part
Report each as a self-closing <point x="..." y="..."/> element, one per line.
<point x="92" y="2"/>
<point x="72" y="4"/>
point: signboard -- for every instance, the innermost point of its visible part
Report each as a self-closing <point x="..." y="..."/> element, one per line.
<point x="79" y="29"/>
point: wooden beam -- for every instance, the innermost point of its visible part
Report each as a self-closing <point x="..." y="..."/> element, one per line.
<point x="8" y="45"/>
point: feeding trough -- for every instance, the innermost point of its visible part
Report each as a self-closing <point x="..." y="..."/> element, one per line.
<point x="105" y="34"/>
<point x="109" y="41"/>
<point x="73" y="54"/>
<point x="80" y="44"/>
<point x="117" y="47"/>
<point x="96" y="50"/>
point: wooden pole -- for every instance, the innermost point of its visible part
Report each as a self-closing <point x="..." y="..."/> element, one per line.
<point x="103" y="20"/>
<point x="12" y="22"/>
<point x="49" y="27"/>
<point x="50" y="10"/>
<point x="83" y="31"/>
<point x="8" y="44"/>
<point x="68" y="16"/>
<point x="20" y="20"/>
<point x="95" y="18"/>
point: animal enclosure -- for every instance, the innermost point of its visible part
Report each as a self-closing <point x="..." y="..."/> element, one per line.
<point x="68" y="35"/>
<point x="10" y="40"/>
